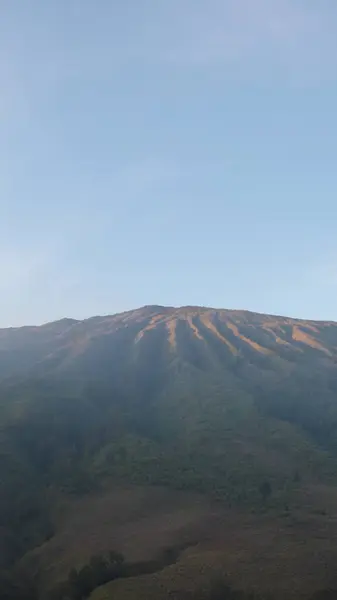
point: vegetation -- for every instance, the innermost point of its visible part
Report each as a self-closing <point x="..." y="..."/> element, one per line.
<point x="80" y="583"/>
<point x="102" y="570"/>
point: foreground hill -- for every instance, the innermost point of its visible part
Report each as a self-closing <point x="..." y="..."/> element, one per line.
<point x="221" y="406"/>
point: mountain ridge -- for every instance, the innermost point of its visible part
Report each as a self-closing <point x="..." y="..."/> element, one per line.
<point x="154" y="307"/>
<point x="241" y="333"/>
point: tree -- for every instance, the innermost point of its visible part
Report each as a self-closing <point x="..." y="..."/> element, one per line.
<point x="265" y="490"/>
<point x="100" y="570"/>
<point x="85" y="583"/>
<point x="297" y="476"/>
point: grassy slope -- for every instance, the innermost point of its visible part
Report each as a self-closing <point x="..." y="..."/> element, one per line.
<point x="225" y="457"/>
<point x="290" y="554"/>
<point x="287" y="556"/>
<point x="199" y="437"/>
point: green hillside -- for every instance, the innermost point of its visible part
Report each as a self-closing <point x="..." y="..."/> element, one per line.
<point x="230" y="408"/>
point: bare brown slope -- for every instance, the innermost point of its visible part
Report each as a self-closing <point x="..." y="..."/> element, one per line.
<point x="209" y="335"/>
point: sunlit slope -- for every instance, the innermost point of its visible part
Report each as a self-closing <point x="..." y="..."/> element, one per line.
<point x="204" y="338"/>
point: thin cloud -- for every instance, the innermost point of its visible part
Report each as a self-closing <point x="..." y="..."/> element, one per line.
<point x="291" y="33"/>
<point x="15" y="269"/>
<point x="21" y="268"/>
<point x="47" y="50"/>
<point x="322" y="274"/>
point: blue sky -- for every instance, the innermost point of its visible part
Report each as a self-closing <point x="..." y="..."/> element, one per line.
<point x="167" y="152"/>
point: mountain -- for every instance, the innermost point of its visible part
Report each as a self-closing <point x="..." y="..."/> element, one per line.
<point x="214" y="406"/>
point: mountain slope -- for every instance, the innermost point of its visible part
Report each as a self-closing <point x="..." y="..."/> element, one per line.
<point x="286" y="366"/>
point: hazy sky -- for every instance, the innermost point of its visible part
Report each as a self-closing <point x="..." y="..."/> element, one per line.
<point x="167" y="152"/>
